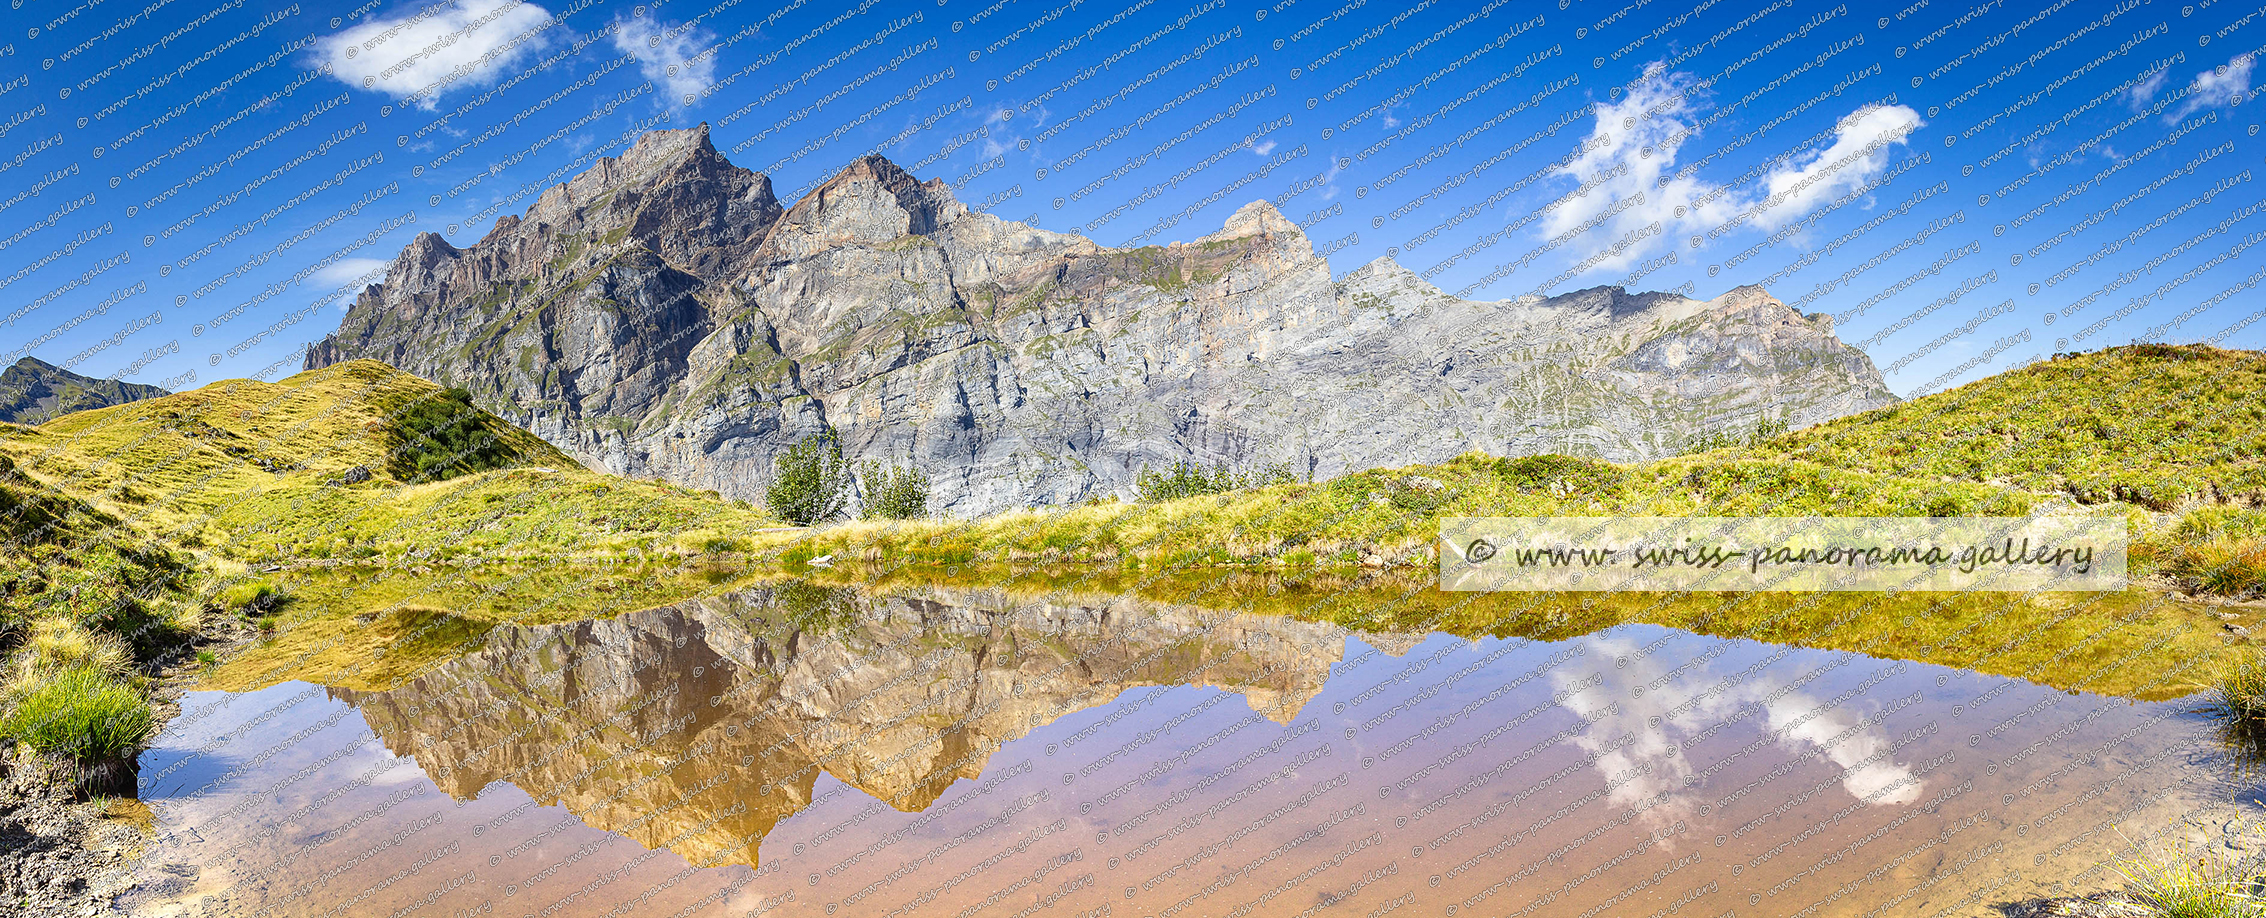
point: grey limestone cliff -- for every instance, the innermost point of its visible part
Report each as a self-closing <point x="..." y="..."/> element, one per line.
<point x="664" y="315"/>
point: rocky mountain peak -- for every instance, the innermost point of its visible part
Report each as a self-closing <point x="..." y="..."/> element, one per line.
<point x="1614" y="303"/>
<point x="423" y="264"/>
<point x="1747" y="296"/>
<point x="656" y="149"/>
<point x="1255" y="219"/>
<point x="1257" y="228"/>
<point x="663" y="315"/>
<point x="1385" y="270"/>
<point x="1385" y="281"/>
<point x="1756" y="304"/>
<point x="671" y="192"/>
<point x="871" y="201"/>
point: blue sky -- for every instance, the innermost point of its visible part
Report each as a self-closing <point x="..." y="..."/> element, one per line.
<point x="196" y="186"/>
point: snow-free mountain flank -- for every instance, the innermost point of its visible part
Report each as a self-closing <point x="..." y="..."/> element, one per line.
<point x="663" y="314"/>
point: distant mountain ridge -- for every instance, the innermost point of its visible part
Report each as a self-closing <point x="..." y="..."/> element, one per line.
<point x="33" y="391"/>
<point x="664" y="315"/>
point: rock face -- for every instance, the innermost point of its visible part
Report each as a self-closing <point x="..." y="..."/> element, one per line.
<point x="32" y="391"/>
<point x="697" y="727"/>
<point x="662" y="315"/>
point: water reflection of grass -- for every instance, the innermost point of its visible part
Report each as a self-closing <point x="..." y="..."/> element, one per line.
<point x="371" y="628"/>
<point x="2134" y="643"/>
<point x="2238" y="699"/>
<point x="352" y="652"/>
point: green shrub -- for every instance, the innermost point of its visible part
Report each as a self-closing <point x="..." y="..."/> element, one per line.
<point x="2222" y="567"/>
<point x="443" y="436"/>
<point x="1417" y="493"/>
<point x="2240" y="693"/>
<point x="1561" y="476"/>
<point x="1184" y="479"/>
<point x="2217" y="522"/>
<point x="255" y="595"/>
<point x="2237" y="698"/>
<point x="812" y="481"/>
<point x="81" y="715"/>
<point x="1764" y="431"/>
<point x="1191" y="479"/>
<point x="895" y="493"/>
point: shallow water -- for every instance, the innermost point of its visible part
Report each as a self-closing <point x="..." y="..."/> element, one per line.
<point x="804" y="751"/>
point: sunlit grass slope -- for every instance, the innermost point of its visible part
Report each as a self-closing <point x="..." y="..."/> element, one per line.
<point x="311" y="468"/>
<point x="86" y="608"/>
<point x="2155" y="425"/>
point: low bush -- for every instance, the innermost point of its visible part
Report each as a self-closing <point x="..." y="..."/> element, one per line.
<point x="895" y="493"/>
<point x="1187" y="478"/>
<point x="58" y="644"/>
<point x="1561" y="476"/>
<point x="2233" y="568"/>
<point x="86" y="718"/>
<point x="443" y="436"/>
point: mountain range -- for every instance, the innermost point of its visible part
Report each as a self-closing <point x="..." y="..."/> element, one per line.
<point x="33" y="390"/>
<point x="664" y="315"/>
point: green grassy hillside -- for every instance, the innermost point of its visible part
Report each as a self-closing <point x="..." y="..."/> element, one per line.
<point x="354" y="461"/>
<point x="2163" y="427"/>
<point x="87" y="607"/>
<point x="132" y="535"/>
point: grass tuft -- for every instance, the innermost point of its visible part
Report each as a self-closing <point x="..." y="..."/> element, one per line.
<point x="58" y="644"/>
<point x="87" y="718"/>
<point x="2199" y="886"/>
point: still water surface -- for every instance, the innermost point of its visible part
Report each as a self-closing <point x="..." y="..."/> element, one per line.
<point x="964" y="753"/>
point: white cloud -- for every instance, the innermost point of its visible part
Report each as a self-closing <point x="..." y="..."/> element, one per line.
<point x="1635" y="197"/>
<point x="405" y="56"/>
<point x="1860" y="151"/>
<point x="1642" y="717"/>
<point x="1262" y="149"/>
<point x="2217" y="86"/>
<point x="1631" y="148"/>
<point x="346" y="270"/>
<point x="1002" y="137"/>
<point x="2139" y="96"/>
<point x="662" y="52"/>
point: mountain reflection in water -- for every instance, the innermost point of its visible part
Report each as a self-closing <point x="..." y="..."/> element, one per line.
<point x="805" y="750"/>
<point x="654" y="723"/>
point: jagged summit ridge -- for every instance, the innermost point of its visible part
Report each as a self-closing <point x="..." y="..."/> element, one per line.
<point x="663" y="314"/>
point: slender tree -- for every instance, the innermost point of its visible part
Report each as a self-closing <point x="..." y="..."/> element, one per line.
<point x="811" y="483"/>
